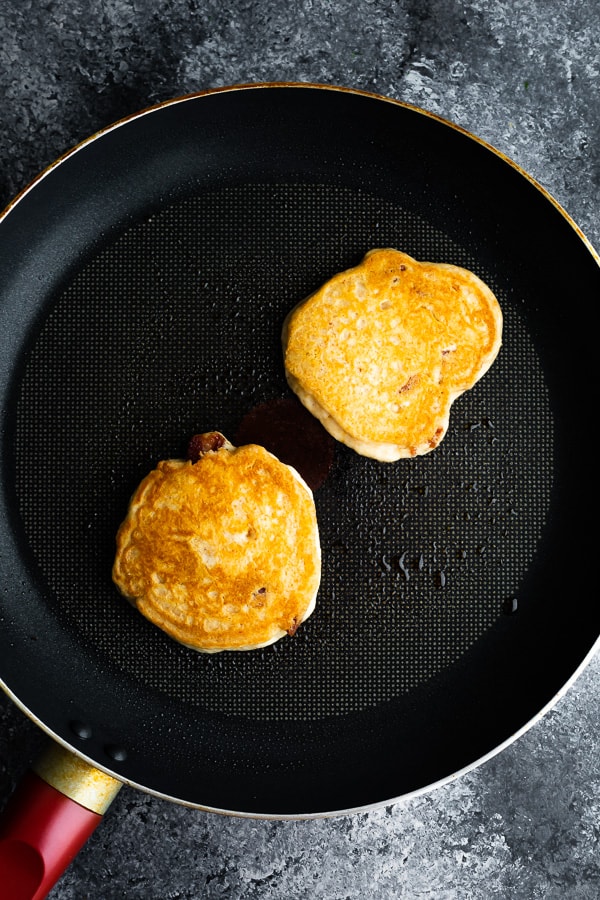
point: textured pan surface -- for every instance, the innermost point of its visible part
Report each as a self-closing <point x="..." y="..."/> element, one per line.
<point x="145" y="281"/>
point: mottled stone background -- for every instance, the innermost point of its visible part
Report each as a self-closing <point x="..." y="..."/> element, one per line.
<point x="525" y="76"/>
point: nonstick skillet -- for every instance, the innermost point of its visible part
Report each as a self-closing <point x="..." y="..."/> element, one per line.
<point x="144" y="279"/>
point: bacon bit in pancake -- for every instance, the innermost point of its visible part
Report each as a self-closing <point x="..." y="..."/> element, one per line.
<point x="200" y="444"/>
<point x="436" y="438"/>
<point x="258" y="598"/>
<point x="414" y="379"/>
<point x="294" y="628"/>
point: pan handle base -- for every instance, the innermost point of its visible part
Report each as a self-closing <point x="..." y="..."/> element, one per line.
<point x="42" y="828"/>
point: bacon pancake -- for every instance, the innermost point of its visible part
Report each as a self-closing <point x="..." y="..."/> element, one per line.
<point x="222" y="553"/>
<point x="381" y="351"/>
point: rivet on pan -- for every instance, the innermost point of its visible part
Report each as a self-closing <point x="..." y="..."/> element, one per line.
<point x="510" y="605"/>
<point x="117" y="753"/>
<point x="82" y="730"/>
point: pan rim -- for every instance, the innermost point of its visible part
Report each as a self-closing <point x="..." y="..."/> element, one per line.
<point x="337" y="813"/>
<point x="306" y="85"/>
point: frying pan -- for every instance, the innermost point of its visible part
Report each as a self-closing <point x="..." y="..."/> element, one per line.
<point x="144" y="279"/>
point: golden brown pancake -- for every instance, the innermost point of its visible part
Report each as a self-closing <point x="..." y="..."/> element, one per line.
<point x="222" y="553"/>
<point x="381" y="351"/>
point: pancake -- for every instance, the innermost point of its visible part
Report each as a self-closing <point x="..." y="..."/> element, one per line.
<point x="380" y="352"/>
<point x="222" y="553"/>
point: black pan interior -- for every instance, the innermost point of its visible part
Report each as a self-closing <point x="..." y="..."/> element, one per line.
<point x="144" y="282"/>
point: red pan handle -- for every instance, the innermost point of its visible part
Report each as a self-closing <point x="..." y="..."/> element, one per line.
<point x="50" y="816"/>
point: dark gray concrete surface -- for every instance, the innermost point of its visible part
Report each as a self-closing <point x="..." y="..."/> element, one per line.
<point x="524" y="76"/>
